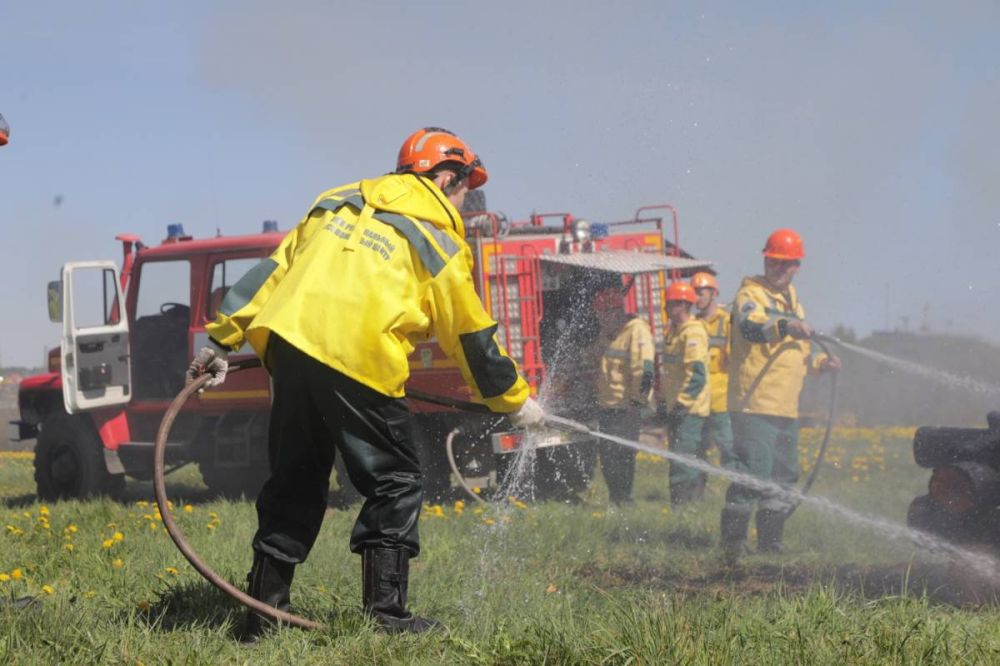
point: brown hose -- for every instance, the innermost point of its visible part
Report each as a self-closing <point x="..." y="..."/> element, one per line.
<point x="175" y="532"/>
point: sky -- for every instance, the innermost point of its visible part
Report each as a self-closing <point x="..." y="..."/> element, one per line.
<point x="870" y="127"/>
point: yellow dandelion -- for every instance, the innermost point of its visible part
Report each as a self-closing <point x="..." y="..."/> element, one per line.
<point x="17" y="574"/>
<point x="477" y="490"/>
<point x="71" y="528"/>
<point x="48" y="589"/>
<point x="152" y="526"/>
<point x="459" y="505"/>
<point x="489" y="521"/>
<point x="188" y="508"/>
<point x="172" y="571"/>
<point x="4" y="577"/>
<point x="118" y="563"/>
<point x="68" y="546"/>
<point x="142" y="504"/>
<point x="107" y="543"/>
<point x="89" y="594"/>
<point x="13" y="530"/>
<point x="118" y="536"/>
<point x="598" y="514"/>
<point x="210" y="526"/>
<point x="43" y="510"/>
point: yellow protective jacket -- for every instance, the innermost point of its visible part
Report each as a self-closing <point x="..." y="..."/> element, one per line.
<point x="374" y="267"/>
<point x="683" y="374"/>
<point x="718" y="358"/>
<point x="766" y="367"/>
<point x="626" y="367"/>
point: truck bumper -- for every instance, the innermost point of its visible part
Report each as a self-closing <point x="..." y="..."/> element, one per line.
<point x="18" y="431"/>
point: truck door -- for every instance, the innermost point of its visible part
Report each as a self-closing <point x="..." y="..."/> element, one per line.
<point x="95" y="347"/>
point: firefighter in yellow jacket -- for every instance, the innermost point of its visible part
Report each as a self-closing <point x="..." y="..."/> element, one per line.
<point x="624" y="383"/>
<point x="718" y="428"/>
<point x="771" y="355"/>
<point x="373" y="268"/>
<point x="684" y="393"/>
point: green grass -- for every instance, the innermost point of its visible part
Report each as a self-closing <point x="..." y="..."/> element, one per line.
<point x="551" y="583"/>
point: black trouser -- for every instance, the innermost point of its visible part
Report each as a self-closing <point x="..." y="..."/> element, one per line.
<point x="317" y="411"/>
<point x="617" y="461"/>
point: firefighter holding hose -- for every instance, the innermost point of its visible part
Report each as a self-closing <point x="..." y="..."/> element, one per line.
<point x="718" y="431"/>
<point x="684" y="393"/>
<point x="771" y="356"/>
<point x="373" y="268"/>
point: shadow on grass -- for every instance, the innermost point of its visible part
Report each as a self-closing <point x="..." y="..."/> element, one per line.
<point x="18" y="501"/>
<point x="191" y="605"/>
<point x="942" y="583"/>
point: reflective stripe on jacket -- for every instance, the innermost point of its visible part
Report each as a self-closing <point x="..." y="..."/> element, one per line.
<point x="374" y="267"/>
<point x="626" y="373"/>
<point x="718" y="358"/>
<point x="766" y="368"/>
<point x="683" y="378"/>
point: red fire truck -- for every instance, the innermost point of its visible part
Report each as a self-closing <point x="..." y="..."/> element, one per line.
<point x="129" y="334"/>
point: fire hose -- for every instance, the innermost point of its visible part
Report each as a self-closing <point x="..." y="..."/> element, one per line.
<point x="228" y="588"/>
<point x="174" y="531"/>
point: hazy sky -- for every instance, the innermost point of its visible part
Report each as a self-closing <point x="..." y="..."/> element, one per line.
<point x="873" y="128"/>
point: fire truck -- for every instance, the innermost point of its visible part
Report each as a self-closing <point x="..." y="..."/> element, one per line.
<point x="129" y="332"/>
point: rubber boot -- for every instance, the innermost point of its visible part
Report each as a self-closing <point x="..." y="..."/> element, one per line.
<point x="734" y="526"/>
<point x="385" y="578"/>
<point x="270" y="581"/>
<point x="770" y="531"/>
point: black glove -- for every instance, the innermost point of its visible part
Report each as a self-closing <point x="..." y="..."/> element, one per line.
<point x="676" y="414"/>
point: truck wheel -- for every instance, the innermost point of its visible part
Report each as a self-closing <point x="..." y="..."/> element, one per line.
<point x="69" y="461"/>
<point x="233" y="482"/>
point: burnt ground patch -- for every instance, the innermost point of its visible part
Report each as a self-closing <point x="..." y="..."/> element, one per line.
<point x="949" y="584"/>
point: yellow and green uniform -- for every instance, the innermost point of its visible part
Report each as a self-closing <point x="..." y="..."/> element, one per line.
<point x="718" y="431"/>
<point x="684" y="369"/>
<point x="390" y="253"/>
<point x="686" y="397"/>
<point x="626" y="374"/>
<point x="767" y="371"/>
<point x="767" y="367"/>
<point x="624" y="381"/>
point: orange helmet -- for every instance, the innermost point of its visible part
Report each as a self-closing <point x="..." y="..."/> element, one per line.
<point x="611" y="298"/>
<point x="4" y="131"/>
<point x="784" y="244"/>
<point x="428" y="148"/>
<point x="703" y="280"/>
<point x="680" y="291"/>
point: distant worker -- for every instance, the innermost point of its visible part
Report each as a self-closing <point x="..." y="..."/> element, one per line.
<point x="374" y="267"/>
<point x="770" y="358"/>
<point x="684" y="393"/>
<point x="4" y="131"/>
<point x="624" y="382"/>
<point x="718" y="428"/>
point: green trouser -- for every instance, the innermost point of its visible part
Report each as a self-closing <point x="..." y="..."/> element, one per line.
<point x="766" y="447"/>
<point x="719" y="433"/>
<point x="685" y="436"/>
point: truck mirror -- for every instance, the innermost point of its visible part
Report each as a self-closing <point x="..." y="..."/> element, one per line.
<point x="55" y="297"/>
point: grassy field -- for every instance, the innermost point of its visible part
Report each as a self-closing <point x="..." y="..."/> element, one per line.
<point x="514" y="583"/>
